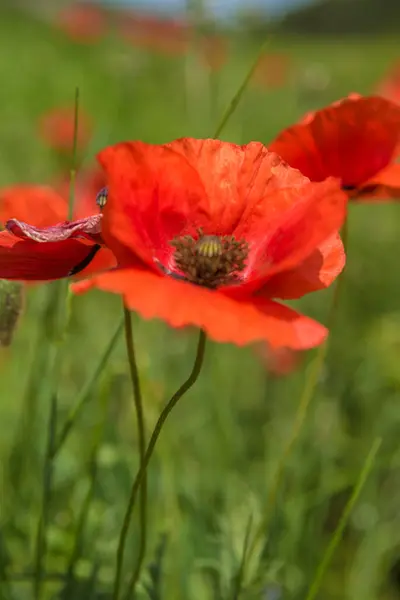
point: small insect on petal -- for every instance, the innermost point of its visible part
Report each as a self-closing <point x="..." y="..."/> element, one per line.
<point x="102" y="197"/>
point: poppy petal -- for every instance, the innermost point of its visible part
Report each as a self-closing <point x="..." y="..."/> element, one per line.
<point x="352" y="139"/>
<point x="318" y="271"/>
<point x="153" y="194"/>
<point x="26" y="260"/>
<point x="159" y="192"/>
<point x="223" y="318"/>
<point x="235" y="178"/>
<point x="385" y="184"/>
<point x="39" y="205"/>
<point x="89" y="228"/>
<point x="317" y="215"/>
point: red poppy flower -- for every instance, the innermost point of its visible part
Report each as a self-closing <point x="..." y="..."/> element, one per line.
<point x="273" y="71"/>
<point x="389" y="87"/>
<point x="83" y="22"/>
<point x="166" y="36"/>
<point x="208" y="233"/>
<point x="213" y="51"/>
<point x="57" y="128"/>
<point x="25" y="251"/>
<point x="279" y="362"/>
<point x="356" y="140"/>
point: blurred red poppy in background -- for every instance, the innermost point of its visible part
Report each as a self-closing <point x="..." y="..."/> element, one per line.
<point x="273" y="71"/>
<point x="83" y="22"/>
<point x="151" y="32"/>
<point x="57" y="129"/>
<point x="214" y="50"/>
<point x="389" y="86"/>
<point x="279" y="362"/>
<point x="356" y="140"/>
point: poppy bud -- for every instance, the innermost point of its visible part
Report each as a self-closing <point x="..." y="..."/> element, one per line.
<point x="11" y="303"/>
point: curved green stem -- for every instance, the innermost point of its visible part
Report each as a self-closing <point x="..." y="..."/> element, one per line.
<point x="141" y="429"/>
<point x="190" y="381"/>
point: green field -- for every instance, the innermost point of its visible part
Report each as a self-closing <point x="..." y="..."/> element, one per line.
<point x="215" y="465"/>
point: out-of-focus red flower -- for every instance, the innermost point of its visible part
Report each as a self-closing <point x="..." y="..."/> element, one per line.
<point x="208" y="233"/>
<point x="389" y="86"/>
<point x="279" y="362"/>
<point x="213" y="51"/>
<point x="148" y="31"/>
<point x="57" y="129"/>
<point x="49" y="247"/>
<point x="83" y="22"/>
<point x="273" y="71"/>
<point x="356" y="140"/>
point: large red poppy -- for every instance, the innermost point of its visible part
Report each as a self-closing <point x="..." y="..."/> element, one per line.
<point x="209" y="233"/>
<point x="24" y="253"/>
<point x="356" y="140"/>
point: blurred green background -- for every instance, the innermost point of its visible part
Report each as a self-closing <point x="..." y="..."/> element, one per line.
<point x="217" y="457"/>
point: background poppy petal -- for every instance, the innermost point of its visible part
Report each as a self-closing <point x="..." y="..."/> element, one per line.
<point x="352" y="139"/>
<point x="25" y="260"/>
<point x="223" y="318"/>
<point x="38" y="205"/>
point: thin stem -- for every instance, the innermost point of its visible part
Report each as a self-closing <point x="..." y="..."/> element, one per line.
<point x="141" y="431"/>
<point x="242" y="88"/>
<point x="338" y="533"/>
<point x="41" y="541"/>
<point x="74" y="157"/>
<point x="190" y="381"/>
<point x="86" y="391"/>
<point x="238" y="582"/>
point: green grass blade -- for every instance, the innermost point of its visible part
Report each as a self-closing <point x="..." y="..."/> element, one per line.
<point x="338" y="533"/>
<point x="41" y="542"/>
<point x="71" y="201"/>
<point x="234" y="103"/>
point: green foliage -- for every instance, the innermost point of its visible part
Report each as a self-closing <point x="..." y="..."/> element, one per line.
<point x="216" y="459"/>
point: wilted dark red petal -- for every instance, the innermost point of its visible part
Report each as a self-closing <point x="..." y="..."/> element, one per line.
<point x="38" y="205"/>
<point x="26" y="260"/>
<point x="224" y="319"/>
<point x="316" y="272"/>
<point x="89" y="228"/>
<point x="352" y="140"/>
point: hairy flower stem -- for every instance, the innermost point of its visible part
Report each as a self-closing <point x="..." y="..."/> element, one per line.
<point x="185" y="387"/>
<point x="141" y="432"/>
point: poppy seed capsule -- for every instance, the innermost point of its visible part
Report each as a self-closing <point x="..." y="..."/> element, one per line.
<point x="209" y="246"/>
<point x="102" y="197"/>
